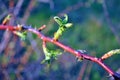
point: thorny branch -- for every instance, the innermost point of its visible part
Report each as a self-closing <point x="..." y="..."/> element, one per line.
<point x="64" y="47"/>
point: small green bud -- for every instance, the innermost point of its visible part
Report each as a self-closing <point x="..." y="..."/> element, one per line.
<point x="68" y="25"/>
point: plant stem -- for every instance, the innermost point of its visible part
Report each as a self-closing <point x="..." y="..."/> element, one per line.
<point x="67" y="48"/>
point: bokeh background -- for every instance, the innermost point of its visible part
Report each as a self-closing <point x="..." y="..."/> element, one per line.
<point x="96" y="28"/>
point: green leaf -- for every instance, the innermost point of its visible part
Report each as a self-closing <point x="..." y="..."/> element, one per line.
<point x="68" y="25"/>
<point x="55" y="53"/>
<point x="47" y="55"/>
<point x="65" y="19"/>
<point x="22" y="35"/>
<point x="50" y="55"/>
<point x="58" y="20"/>
<point x="63" y="25"/>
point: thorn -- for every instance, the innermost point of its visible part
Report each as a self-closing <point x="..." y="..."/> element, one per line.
<point x="35" y="28"/>
<point x="82" y="51"/>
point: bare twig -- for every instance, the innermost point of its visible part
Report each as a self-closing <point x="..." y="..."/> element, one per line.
<point x="28" y="10"/>
<point x="112" y="27"/>
<point x="88" y="70"/>
<point x="82" y="70"/>
<point x="17" y="8"/>
<point x="5" y="41"/>
<point x="26" y="56"/>
<point x="6" y="75"/>
<point x="74" y="7"/>
<point x="34" y="45"/>
<point x="50" y="2"/>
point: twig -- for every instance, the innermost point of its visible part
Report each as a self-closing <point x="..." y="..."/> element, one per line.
<point x="17" y="8"/>
<point x="82" y="71"/>
<point x="28" y="10"/>
<point x="112" y="27"/>
<point x="50" y="2"/>
<point x="5" y="41"/>
<point x="68" y="49"/>
<point x="7" y="34"/>
<point x="74" y="7"/>
<point x="6" y="75"/>
<point x="34" y="45"/>
<point x="88" y="70"/>
<point x="26" y="56"/>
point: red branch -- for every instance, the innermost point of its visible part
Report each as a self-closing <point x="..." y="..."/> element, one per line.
<point x="67" y="48"/>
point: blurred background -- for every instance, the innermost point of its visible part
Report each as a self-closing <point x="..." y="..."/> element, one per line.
<point x="96" y="28"/>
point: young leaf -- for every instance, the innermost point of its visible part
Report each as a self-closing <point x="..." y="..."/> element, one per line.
<point x="63" y="25"/>
<point x="22" y="35"/>
<point x="50" y="55"/>
<point x="47" y="55"/>
<point x="58" y="20"/>
<point x="65" y="19"/>
<point x="55" y="53"/>
<point x="68" y="25"/>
